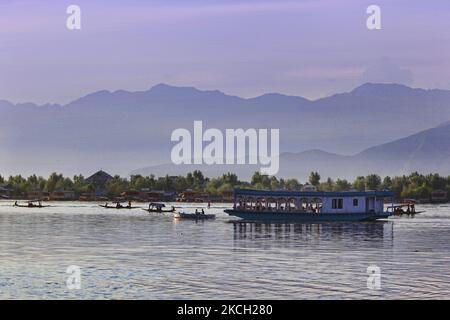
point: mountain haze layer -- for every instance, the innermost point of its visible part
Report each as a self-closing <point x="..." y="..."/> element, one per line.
<point x="427" y="151"/>
<point x="122" y="130"/>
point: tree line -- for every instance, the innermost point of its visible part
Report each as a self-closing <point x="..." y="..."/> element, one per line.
<point x="414" y="185"/>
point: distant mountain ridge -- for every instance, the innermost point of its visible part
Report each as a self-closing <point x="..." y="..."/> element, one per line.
<point x="121" y="130"/>
<point x="427" y="151"/>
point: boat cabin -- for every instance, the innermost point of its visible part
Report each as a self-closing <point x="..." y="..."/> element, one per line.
<point x="156" y="206"/>
<point x="310" y="201"/>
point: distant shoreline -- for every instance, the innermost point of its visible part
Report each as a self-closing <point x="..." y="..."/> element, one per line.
<point x="196" y="188"/>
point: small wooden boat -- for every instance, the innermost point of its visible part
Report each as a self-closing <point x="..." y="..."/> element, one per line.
<point x="158" y="208"/>
<point x="118" y="208"/>
<point x="30" y="204"/>
<point x="193" y="216"/>
<point x="406" y="208"/>
<point x="401" y="212"/>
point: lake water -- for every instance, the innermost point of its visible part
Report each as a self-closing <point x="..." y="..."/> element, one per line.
<point x="130" y="254"/>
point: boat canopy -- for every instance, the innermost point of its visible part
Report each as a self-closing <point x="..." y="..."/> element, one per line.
<point x="157" y="205"/>
<point x="321" y="194"/>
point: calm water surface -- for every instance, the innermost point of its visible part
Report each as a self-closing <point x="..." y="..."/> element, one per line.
<point x="130" y="254"/>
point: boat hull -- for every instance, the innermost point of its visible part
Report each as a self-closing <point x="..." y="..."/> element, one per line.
<point x="193" y="216"/>
<point x="306" y="217"/>
<point x="158" y="211"/>
<point x="24" y="206"/>
<point x="120" y="208"/>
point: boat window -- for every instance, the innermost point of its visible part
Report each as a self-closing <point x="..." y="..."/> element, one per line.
<point x="337" y="203"/>
<point x="355" y="202"/>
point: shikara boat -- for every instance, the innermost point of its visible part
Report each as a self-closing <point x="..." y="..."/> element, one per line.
<point x="193" y="216"/>
<point x="407" y="208"/>
<point x="30" y="204"/>
<point x="309" y="206"/>
<point x="118" y="206"/>
<point x="158" y="208"/>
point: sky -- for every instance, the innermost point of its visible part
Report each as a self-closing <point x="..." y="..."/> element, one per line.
<point x="311" y="48"/>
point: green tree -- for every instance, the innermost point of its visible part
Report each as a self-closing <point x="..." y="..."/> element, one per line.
<point x="292" y="184"/>
<point x="18" y="183"/>
<point x="373" y="182"/>
<point x="342" y="185"/>
<point x="116" y="186"/>
<point x="387" y="183"/>
<point x="359" y="183"/>
<point x="314" y="178"/>
<point x="53" y="182"/>
<point x="327" y="185"/>
<point x="274" y="183"/>
<point x="199" y="180"/>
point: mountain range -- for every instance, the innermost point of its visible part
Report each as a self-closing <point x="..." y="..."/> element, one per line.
<point x="122" y="130"/>
<point x="427" y="151"/>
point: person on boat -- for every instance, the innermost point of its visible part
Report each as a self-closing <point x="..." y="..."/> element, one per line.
<point x="173" y="208"/>
<point x="39" y="204"/>
<point x="106" y="204"/>
<point x="400" y="210"/>
<point x="118" y="205"/>
<point x="129" y="204"/>
<point x="16" y="204"/>
<point x="413" y="208"/>
<point x="203" y="211"/>
<point x="196" y="211"/>
<point x="30" y="204"/>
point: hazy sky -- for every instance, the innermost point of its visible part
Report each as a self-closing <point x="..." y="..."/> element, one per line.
<point x="243" y="47"/>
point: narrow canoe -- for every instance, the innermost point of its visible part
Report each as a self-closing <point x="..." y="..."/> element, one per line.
<point x="114" y="207"/>
<point x="159" y="211"/>
<point x="193" y="216"/>
<point x="26" y="206"/>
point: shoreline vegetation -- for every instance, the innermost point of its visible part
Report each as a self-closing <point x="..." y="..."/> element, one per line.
<point x="195" y="187"/>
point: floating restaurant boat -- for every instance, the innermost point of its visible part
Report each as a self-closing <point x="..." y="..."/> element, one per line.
<point x="309" y="206"/>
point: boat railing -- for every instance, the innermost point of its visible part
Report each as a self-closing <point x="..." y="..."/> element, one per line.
<point x="280" y="210"/>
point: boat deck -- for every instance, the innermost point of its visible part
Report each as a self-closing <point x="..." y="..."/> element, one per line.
<point x="304" y="216"/>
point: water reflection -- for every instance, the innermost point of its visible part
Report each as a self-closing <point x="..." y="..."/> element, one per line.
<point x="288" y="233"/>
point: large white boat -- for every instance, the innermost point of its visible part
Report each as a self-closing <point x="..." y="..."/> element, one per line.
<point x="257" y="205"/>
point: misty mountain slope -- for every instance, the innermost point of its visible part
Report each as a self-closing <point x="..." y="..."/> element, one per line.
<point x="427" y="151"/>
<point x="122" y="130"/>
